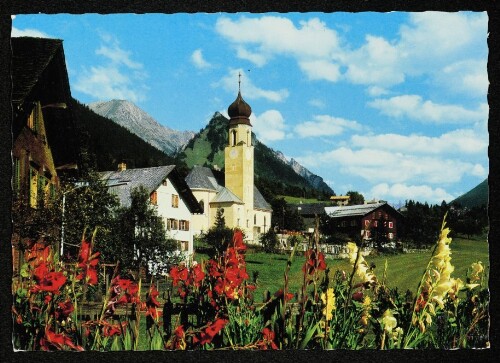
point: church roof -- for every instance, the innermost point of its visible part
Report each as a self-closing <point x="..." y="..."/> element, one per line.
<point x="224" y="195"/>
<point x="121" y="183"/>
<point x="202" y="177"/>
<point x="258" y="200"/>
<point x="239" y="111"/>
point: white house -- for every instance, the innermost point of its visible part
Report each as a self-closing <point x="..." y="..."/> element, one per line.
<point x="168" y="191"/>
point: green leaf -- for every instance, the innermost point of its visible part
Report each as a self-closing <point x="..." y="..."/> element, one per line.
<point x="24" y="270"/>
<point x="309" y="334"/>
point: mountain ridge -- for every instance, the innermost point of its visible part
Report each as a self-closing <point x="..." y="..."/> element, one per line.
<point x="139" y="122"/>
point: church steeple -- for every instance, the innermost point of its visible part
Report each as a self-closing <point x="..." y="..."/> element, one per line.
<point x="239" y="111"/>
<point x="239" y="160"/>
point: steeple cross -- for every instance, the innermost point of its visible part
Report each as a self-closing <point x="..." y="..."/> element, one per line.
<point x="239" y="81"/>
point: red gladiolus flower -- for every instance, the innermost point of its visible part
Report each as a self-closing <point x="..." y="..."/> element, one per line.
<point x="314" y="262"/>
<point x="198" y="275"/>
<point x="88" y="264"/>
<point x="64" y="309"/>
<point x="152" y="303"/>
<point x="178" y="274"/>
<point x="357" y="296"/>
<point x="279" y="294"/>
<point x="56" y="341"/>
<point x="211" y="331"/>
<point x="268" y="339"/>
<point x="51" y="282"/>
<point x="238" y="241"/>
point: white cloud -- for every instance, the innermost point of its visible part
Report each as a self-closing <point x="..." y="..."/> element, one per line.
<point x="325" y="125"/>
<point x="117" y="55"/>
<point x="28" y="33"/>
<point x="376" y="62"/>
<point x="320" y="69"/>
<point x="198" y="60"/>
<point x="248" y="89"/>
<point x="378" y="166"/>
<point x="316" y="103"/>
<point x="463" y="141"/>
<point x="469" y="77"/>
<point x="269" y="126"/>
<point x="400" y="191"/>
<point x="414" y="107"/>
<point x="120" y="77"/>
<point x="258" y="59"/>
<point x="278" y="35"/>
<point x="376" y="91"/>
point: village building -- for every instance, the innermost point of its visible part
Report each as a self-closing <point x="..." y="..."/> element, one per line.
<point x="234" y="191"/>
<point x="168" y="192"/>
<point x="340" y="200"/>
<point x="371" y="220"/>
<point x="44" y="135"/>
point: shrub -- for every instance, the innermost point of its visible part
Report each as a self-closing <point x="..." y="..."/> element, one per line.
<point x="269" y="241"/>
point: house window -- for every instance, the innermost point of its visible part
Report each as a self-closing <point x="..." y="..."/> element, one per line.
<point x="184" y="225"/>
<point x="184" y="245"/>
<point x="165" y="183"/>
<point x="367" y="222"/>
<point x="343" y="224"/>
<point x="172" y="224"/>
<point x="353" y="223"/>
<point x="33" y="187"/>
<point x="175" y="201"/>
<point x="390" y="235"/>
<point x="154" y="198"/>
<point x="391" y="224"/>
<point x="375" y="223"/>
<point x="379" y="214"/>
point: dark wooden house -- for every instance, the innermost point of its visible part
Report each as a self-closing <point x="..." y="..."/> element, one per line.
<point x="44" y="135"/>
<point x="379" y="220"/>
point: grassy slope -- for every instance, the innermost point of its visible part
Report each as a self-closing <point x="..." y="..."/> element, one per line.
<point x="475" y="197"/>
<point x="298" y="200"/>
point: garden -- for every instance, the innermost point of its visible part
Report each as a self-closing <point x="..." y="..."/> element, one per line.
<point x="235" y="301"/>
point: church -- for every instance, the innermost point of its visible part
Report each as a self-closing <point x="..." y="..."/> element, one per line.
<point x="233" y="191"/>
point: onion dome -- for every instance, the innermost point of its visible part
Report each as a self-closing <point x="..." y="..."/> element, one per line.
<point x="239" y="111"/>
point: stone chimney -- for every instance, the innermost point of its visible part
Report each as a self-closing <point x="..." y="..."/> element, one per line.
<point x="122" y="166"/>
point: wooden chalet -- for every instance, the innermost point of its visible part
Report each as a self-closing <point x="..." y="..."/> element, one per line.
<point x="380" y="221"/>
<point x="45" y="140"/>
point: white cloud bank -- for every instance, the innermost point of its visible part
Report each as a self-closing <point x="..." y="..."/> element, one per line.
<point x="198" y="60"/>
<point x="269" y="126"/>
<point x="325" y="125"/>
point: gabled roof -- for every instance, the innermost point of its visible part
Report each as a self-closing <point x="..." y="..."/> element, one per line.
<point x="123" y="182"/>
<point x="353" y="210"/>
<point x="259" y="202"/>
<point x="201" y="177"/>
<point x="224" y="195"/>
<point x="309" y="209"/>
<point x="204" y="178"/>
<point x="39" y="74"/>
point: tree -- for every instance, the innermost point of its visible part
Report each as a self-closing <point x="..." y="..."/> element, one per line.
<point x="140" y="240"/>
<point x="87" y="206"/>
<point x="219" y="236"/>
<point x="284" y="217"/>
<point x="269" y="241"/>
<point x="355" y="198"/>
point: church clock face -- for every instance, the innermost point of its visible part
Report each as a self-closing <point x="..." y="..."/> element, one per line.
<point x="233" y="154"/>
<point x="248" y="154"/>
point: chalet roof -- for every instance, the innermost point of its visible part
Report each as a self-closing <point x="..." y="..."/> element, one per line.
<point x="122" y="182"/>
<point x="352" y="210"/>
<point x="31" y="58"/>
<point x="309" y="208"/>
<point x="204" y="178"/>
<point x="39" y="74"/>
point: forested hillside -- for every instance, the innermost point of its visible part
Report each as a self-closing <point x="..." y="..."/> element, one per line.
<point x="104" y="143"/>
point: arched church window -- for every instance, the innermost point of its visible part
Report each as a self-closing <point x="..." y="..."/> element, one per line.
<point x="202" y="206"/>
<point x="249" y="138"/>
<point x="233" y="138"/>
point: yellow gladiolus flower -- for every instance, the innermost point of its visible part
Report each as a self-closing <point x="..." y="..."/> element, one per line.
<point x="329" y="302"/>
<point x="389" y="321"/>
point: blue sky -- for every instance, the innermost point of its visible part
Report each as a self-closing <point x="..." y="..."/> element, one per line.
<point x="392" y="105"/>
